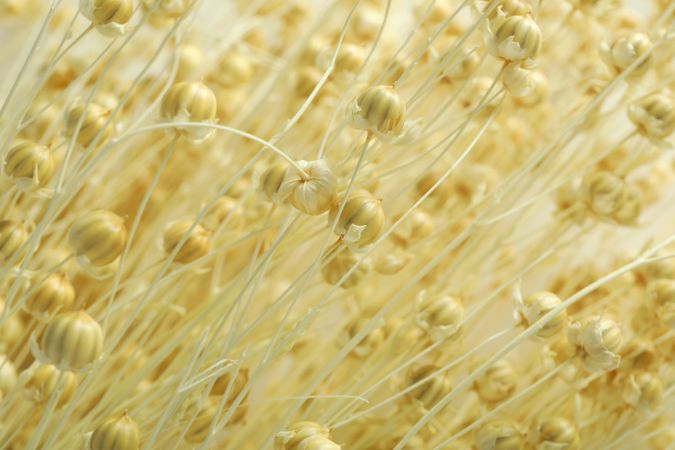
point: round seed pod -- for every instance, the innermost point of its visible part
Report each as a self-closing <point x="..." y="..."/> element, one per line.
<point x="498" y="382"/>
<point x="349" y="59"/>
<point x="440" y="317"/>
<point x="417" y="226"/>
<point x="98" y="237"/>
<point x="631" y="206"/>
<point x="662" y="294"/>
<point x="440" y="195"/>
<point x="654" y="116"/>
<point x="339" y="264"/>
<point x="11" y="329"/>
<point x="12" y="238"/>
<point x="29" y="164"/>
<point x="555" y="433"/>
<point x="516" y="38"/>
<point x="537" y="92"/>
<point x="370" y="342"/>
<point x="116" y="433"/>
<point x="190" y="102"/>
<point x="190" y="62"/>
<point x="40" y="118"/>
<point x="269" y="183"/>
<point x="44" y="382"/>
<point x="431" y="391"/>
<point x="316" y="442"/>
<point x="643" y="390"/>
<point x="313" y="194"/>
<point x="596" y="340"/>
<point x="366" y="22"/>
<point x="292" y="438"/>
<point x="498" y="436"/>
<point x="72" y="340"/>
<point x="94" y="123"/>
<point x="392" y="263"/>
<point x="195" y="246"/>
<point x="379" y="110"/>
<point x="624" y="51"/>
<point x="220" y="388"/>
<point x="604" y="193"/>
<point x="55" y="293"/>
<point x="536" y="306"/>
<point x="639" y="354"/>
<point x="233" y="69"/>
<point x="224" y="209"/>
<point x="462" y="66"/>
<point x="109" y="16"/>
<point x="361" y="220"/>
<point x="7" y="375"/>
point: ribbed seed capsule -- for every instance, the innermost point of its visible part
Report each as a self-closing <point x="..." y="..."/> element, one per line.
<point x="639" y="354"/>
<point x="72" y="340"/>
<point x="313" y="193"/>
<point x="378" y="109"/>
<point x="439" y="316"/>
<point x="662" y="293"/>
<point x="190" y="61"/>
<point x="270" y="181"/>
<point x="654" y="116"/>
<point x="625" y="51"/>
<point x="596" y="340"/>
<point x="12" y="237"/>
<point x="517" y="38"/>
<point x="417" y="226"/>
<point x="196" y="245"/>
<point x="11" y="329"/>
<point x="190" y="102"/>
<point x="604" y="193"/>
<point x="294" y="437"/>
<point x="199" y="427"/>
<point x="55" y="293"/>
<point x="498" y="436"/>
<point x="165" y="12"/>
<point x="7" y="375"/>
<point x="233" y="69"/>
<point x="498" y="382"/>
<point x="109" y="16"/>
<point x="225" y="209"/>
<point x="555" y="433"/>
<point x="429" y="392"/>
<point x="99" y="237"/>
<point x="94" y="123"/>
<point x="537" y="306"/>
<point x="116" y="433"/>
<point x="342" y="262"/>
<point x="29" y="164"/>
<point x="44" y="382"/>
<point x="361" y="221"/>
<point x="643" y="390"/>
<point x="369" y="343"/>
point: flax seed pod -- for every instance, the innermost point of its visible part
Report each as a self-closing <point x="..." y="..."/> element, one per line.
<point x="596" y="340"/>
<point x="342" y="262"/>
<point x="370" y="343"/>
<point x="109" y="16"/>
<point x="639" y="354"/>
<point x="7" y="376"/>
<point x="431" y="391"/>
<point x="190" y="62"/>
<point x="438" y="316"/>
<point x="12" y="238"/>
<point x="498" y="436"/>
<point x="94" y="119"/>
<point x="190" y="102"/>
<point x="98" y="237"/>
<point x="116" y="433"/>
<point x="220" y="388"/>
<point x="224" y="209"/>
<point x="163" y="13"/>
<point x="517" y="38"/>
<point x="55" y="293"/>
<point x="536" y="306"/>
<point x="625" y="50"/>
<point x="603" y="193"/>
<point x="45" y="380"/>
<point x="233" y="69"/>
<point x="654" y="116"/>
<point x="196" y="245"/>
<point x="361" y="220"/>
<point x="380" y="110"/>
<point x="555" y="433"/>
<point x="643" y="390"/>
<point x="498" y="382"/>
<point x="30" y="165"/>
<point x="72" y="340"/>
<point x="269" y="183"/>
<point x="312" y="193"/>
<point x="417" y="226"/>
<point x="40" y="118"/>
<point x="662" y="294"/>
<point x="11" y="329"/>
<point x="293" y="436"/>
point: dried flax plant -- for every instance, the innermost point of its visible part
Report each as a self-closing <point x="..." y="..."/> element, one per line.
<point x="357" y="224"/>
